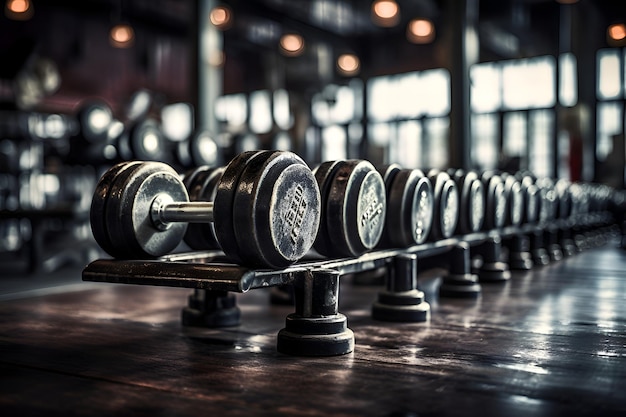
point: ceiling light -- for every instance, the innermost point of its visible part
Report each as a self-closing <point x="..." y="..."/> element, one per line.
<point x="617" y="32"/>
<point x="18" y="9"/>
<point x="420" y="31"/>
<point x="221" y="17"/>
<point x="385" y="13"/>
<point x="348" y="64"/>
<point x="122" y="36"/>
<point x="291" y="44"/>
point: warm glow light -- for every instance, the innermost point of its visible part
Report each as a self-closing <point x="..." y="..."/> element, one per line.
<point x="221" y="17"/>
<point x="617" y="31"/>
<point x="385" y="13"/>
<point x="122" y="36"/>
<point x="292" y="44"/>
<point x="420" y="31"/>
<point x="19" y="9"/>
<point x="348" y="64"/>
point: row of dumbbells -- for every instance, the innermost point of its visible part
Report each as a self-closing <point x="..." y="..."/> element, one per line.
<point x="269" y="209"/>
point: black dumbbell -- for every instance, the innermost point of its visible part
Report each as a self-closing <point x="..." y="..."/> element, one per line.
<point x="471" y="201"/>
<point x="410" y="204"/>
<point x="495" y="200"/>
<point x="143" y="140"/>
<point x="514" y="200"/>
<point x="353" y="207"/>
<point x="266" y="210"/>
<point x="446" y="205"/>
<point x="531" y="197"/>
<point x="201" y="184"/>
<point x="199" y="149"/>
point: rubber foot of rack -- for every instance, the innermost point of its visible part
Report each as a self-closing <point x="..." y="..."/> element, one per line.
<point x="494" y="272"/>
<point x="541" y="257"/>
<point x="227" y="317"/>
<point x="315" y="336"/>
<point x="406" y="306"/>
<point x="460" y="286"/>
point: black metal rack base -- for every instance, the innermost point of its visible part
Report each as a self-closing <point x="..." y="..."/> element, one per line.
<point x="317" y="328"/>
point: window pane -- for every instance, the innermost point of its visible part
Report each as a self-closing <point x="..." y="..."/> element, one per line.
<point x="282" y="113"/>
<point x="540" y="151"/>
<point x="609" y="80"/>
<point x="514" y="134"/>
<point x="260" y="112"/>
<point x="485" y="141"/>
<point x="232" y="109"/>
<point x="407" y="148"/>
<point x="529" y="83"/>
<point x="486" y="84"/>
<point x="436" y="140"/>
<point x="334" y="143"/>
<point x="609" y="125"/>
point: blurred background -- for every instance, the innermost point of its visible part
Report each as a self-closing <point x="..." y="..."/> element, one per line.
<point x="474" y="84"/>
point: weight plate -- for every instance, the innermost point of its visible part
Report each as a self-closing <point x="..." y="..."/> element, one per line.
<point x="446" y="205"/>
<point x="202" y="187"/>
<point x="471" y="202"/>
<point x="129" y="206"/>
<point x="388" y="172"/>
<point x="409" y="209"/>
<point x="324" y="174"/>
<point x="97" y="215"/>
<point x="356" y="208"/>
<point x="531" y="200"/>
<point x="204" y="150"/>
<point x="223" y="205"/>
<point x="495" y="201"/>
<point x="276" y="210"/>
<point x="146" y="141"/>
<point x="515" y="200"/>
<point x="94" y="119"/>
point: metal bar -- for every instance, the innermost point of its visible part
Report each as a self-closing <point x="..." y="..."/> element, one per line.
<point x="191" y="212"/>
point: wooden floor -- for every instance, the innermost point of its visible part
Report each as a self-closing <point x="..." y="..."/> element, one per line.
<point x="548" y="342"/>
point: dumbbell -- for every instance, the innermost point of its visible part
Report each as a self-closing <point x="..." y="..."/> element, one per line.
<point x="514" y="196"/>
<point x="353" y="207"/>
<point x="410" y="204"/>
<point x="446" y="205"/>
<point x="471" y="202"/>
<point x="143" y="140"/>
<point x="530" y="194"/>
<point x="495" y="200"/>
<point x="266" y="210"/>
<point x="197" y="150"/>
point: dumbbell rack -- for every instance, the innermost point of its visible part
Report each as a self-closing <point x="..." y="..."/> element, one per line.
<point x="317" y="328"/>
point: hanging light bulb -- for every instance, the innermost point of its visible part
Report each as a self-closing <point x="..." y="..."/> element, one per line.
<point x="385" y="13"/>
<point x="292" y="44"/>
<point x="221" y="17"/>
<point x="420" y="31"/>
<point x="617" y="31"/>
<point x="348" y="64"/>
<point x="19" y="9"/>
<point x="122" y="35"/>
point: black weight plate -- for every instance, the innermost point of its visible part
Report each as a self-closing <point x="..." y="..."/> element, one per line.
<point x="356" y="208"/>
<point x="146" y="141"/>
<point x="531" y="200"/>
<point x="471" y="202"/>
<point x="564" y="196"/>
<point x="129" y="210"/>
<point x="203" y="187"/>
<point x="204" y="150"/>
<point x="446" y="205"/>
<point x="190" y="175"/>
<point x="97" y="215"/>
<point x="409" y="209"/>
<point x="515" y="200"/>
<point x="324" y="174"/>
<point x="388" y="172"/>
<point x="94" y="119"/>
<point x="495" y="201"/>
<point x="223" y="213"/>
<point x="276" y="210"/>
